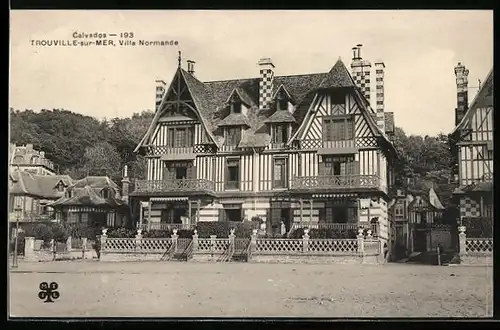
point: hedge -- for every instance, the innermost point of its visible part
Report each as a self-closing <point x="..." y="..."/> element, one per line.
<point x="324" y="233"/>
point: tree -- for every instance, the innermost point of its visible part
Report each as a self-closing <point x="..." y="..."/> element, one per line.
<point x="102" y="159"/>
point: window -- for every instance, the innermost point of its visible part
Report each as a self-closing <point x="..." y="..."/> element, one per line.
<point x="233" y="174"/>
<point x="231" y="212"/>
<point x="18" y="160"/>
<point x="399" y="210"/>
<point x="283" y="104"/>
<point x="279" y="173"/>
<point x="279" y="133"/>
<point x="336" y="129"/>
<point x="338" y="165"/>
<point x="105" y="193"/>
<point x="339" y="214"/>
<point x="179" y="137"/>
<point x="60" y="187"/>
<point x="236" y="106"/>
<point x="180" y="173"/>
<point x="233" y="136"/>
<point x="337" y="98"/>
<point x="34" y="160"/>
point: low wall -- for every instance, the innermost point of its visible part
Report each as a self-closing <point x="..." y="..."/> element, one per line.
<point x="477" y="259"/>
<point x="475" y="251"/>
<point x="131" y="256"/>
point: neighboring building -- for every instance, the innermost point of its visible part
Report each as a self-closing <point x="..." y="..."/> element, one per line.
<point x="94" y="201"/>
<point x="31" y="194"/>
<point x="399" y="210"/>
<point x="25" y="158"/>
<point x="473" y="151"/>
<point x="426" y="228"/>
<point x="304" y="150"/>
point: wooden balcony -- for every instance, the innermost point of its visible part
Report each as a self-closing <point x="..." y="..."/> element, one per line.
<point x="167" y="226"/>
<point x="173" y="187"/>
<point x="318" y="144"/>
<point x="336" y="183"/>
<point x="323" y="225"/>
<point x="165" y="150"/>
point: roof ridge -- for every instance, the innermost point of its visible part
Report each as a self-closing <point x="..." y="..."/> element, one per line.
<point x="284" y="76"/>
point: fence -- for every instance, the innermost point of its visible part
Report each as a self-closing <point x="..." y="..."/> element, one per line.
<point x="73" y="248"/>
<point x="474" y="250"/>
<point x="258" y="249"/>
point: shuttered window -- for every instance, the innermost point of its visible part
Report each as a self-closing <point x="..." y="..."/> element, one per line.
<point x="279" y="133"/>
<point x="233" y="136"/>
<point x="280" y="173"/>
<point x="338" y="129"/>
<point x="339" y="165"/>
<point x="180" y="137"/>
<point x="233" y="174"/>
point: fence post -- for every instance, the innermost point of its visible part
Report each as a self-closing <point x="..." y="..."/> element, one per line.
<point x="84" y="247"/>
<point x="138" y="239"/>
<point x="103" y="239"/>
<point x="68" y="244"/>
<point x="305" y="240"/>
<point x="29" y="248"/>
<point x="174" y="239"/>
<point x="361" y="242"/>
<point x="212" y="244"/>
<point x="195" y="241"/>
<point x="253" y="241"/>
<point x="53" y="248"/>
<point x="461" y="241"/>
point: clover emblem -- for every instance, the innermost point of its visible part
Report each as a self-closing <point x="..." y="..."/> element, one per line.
<point x="48" y="292"/>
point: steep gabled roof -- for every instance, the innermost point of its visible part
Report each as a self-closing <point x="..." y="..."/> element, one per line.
<point x="484" y="98"/>
<point x="43" y="186"/>
<point x="281" y="116"/>
<point x="234" y="119"/>
<point x="338" y="77"/>
<point x="86" y="196"/>
<point x="94" y="182"/>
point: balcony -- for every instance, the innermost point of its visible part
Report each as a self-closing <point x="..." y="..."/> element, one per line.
<point x="173" y="187"/>
<point x="165" y="150"/>
<point x="319" y="144"/>
<point x="336" y="183"/>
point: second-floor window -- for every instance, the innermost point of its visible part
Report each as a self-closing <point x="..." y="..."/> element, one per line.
<point x="179" y="137"/>
<point x="280" y="173"/>
<point x="399" y="210"/>
<point x="338" y="128"/>
<point x="233" y="174"/>
<point x="233" y="136"/>
<point x="279" y="133"/>
<point x="338" y="165"/>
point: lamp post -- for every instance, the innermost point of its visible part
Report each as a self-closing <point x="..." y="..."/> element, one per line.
<point x="18" y="211"/>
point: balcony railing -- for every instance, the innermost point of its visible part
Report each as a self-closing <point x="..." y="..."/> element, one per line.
<point x="181" y="185"/>
<point x="334" y="226"/>
<point x="163" y="150"/>
<point x="318" y="143"/>
<point x="333" y="182"/>
<point x="168" y="226"/>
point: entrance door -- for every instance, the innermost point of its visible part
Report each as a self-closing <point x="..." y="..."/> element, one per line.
<point x="419" y="241"/>
<point x="286" y="217"/>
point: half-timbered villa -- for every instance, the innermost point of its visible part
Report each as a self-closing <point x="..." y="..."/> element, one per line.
<point x="303" y="150"/>
<point x="473" y="150"/>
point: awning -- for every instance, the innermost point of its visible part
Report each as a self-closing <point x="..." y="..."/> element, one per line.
<point x="174" y="157"/>
<point x="167" y="199"/>
<point x="337" y="151"/>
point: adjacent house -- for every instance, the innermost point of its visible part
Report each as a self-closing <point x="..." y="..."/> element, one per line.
<point x="26" y="158"/>
<point x="94" y="201"/>
<point x="302" y="150"/>
<point x="473" y="150"/>
<point x="30" y="195"/>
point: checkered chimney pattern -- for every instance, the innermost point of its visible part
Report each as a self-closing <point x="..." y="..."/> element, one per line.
<point x="361" y="75"/>
<point x="461" y="74"/>
<point x="379" y="86"/>
<point x="266" y="82"/>
<point x="160" y="89"/>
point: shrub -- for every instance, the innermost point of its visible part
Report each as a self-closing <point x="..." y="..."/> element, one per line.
<point x="38" y="231"/>
<point x="156" y="234"/>
<point x="243" y="230"/>
<point x="324" y="233"/>
<point x="207" y="228"/>
<point x="185" y="233"/>
<point x="297" y="233"/>
<point x="121" y="233"/>
<point x="59" y="233"/>
<point x="79" y="231"/>
<point x="20" y="244"/>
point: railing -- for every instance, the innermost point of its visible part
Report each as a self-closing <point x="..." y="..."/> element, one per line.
<point x="206" y="245"/>
<point x="481" y="227"/>
<point x="169" y="253"/>
<point x="181" y="185"/>
<point x="150" y="245"/>
<point x="188" y="252"/>
<point x="318" y="143"/>
<point x="337" y="226"/>
<point x="333" y="246"/>
<point x="163" y="150"/>
<point x="27" y="216"/>
<point x="279" y="246"/>
<point x="479" y="245"/>
<point x="168" y="226"/>
<point x="333" y="182"/>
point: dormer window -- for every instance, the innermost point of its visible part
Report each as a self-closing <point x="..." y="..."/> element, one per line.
<point x="105" y="193"/>
<point x="233" y="136"/>
<point x="68" y="193"/>
<point x="236" y="107"/>
<point x="279" y="133"/>
<point x="283" y="104"/>
<point x="60" y="187"/>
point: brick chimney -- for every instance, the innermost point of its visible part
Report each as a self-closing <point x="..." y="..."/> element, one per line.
<point x="361" y="72"/>
<point x="266" y="82"/>
<point x="461" y="74"/>
<point x="125" y="184"/>
<point x="160" y="89"/>
<point x="191" y="66"/>
<point x="379" y="86"/>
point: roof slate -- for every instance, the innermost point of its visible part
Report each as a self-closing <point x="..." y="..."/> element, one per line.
<point x="87" y="196"/>
<point x="281" y="116"/>
<point x="44" y="186"/>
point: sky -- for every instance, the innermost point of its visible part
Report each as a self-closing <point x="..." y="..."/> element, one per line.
<point x="419" y="49"/>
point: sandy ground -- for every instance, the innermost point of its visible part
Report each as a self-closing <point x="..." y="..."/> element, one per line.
<point x="180" y="289"/>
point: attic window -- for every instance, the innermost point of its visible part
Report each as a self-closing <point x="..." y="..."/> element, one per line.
<point x="279" y="133"/>
<point x="60" y="187"/>
<point x="105" y="193"/>
<point x="282" y="104"/>
<point x="236" y="106"/>
<point x="233" y="136"/>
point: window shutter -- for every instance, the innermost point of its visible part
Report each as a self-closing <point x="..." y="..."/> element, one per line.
<point x="221" y="215"/>
<point x="343" y="168"/>
<point x="191" y="172"/>
<point x="355" y="166"/>
<point x="321" y="168"/>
